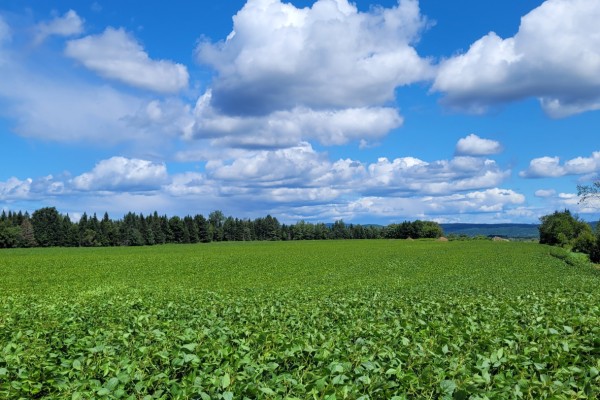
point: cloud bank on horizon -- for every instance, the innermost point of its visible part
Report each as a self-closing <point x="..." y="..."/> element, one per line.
<point x="334" y="110"/>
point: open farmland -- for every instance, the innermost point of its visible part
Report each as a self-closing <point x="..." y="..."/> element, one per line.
<point x="311" y="320"/>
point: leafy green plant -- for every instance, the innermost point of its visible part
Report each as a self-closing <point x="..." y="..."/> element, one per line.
<point x="299" y="320"/>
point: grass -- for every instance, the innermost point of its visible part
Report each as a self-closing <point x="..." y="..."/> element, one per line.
<point x="348" y="319"/>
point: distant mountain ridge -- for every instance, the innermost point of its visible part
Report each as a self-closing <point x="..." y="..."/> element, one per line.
<point x="526" y="231"/>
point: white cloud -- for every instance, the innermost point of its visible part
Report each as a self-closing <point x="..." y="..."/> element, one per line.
<point x="301" y="167"/>
<point x="559" y="201"/>
<point x="69" y="24"/>
<point x="122" y="174"/>
<point x="62" y="107"/>
<point x="549" y="167"/>
<point x="554" y="57"/>
<point x="326" y="56"/>
<point x="494" y="203"/>
<point x="543" y="167"/>
<point x="291" y="183"/>
<point x="439" y="177"/>
<point x="545" y="193"/>
<point x="473" y="145"/>
<point x="290" y="166"/>
<point x="583" y="165"/>
<point x="115" y="54"/>
<point x="14" y="188"/>
<point x="286" y="128"/>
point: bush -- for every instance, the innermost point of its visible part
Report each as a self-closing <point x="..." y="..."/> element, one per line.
<point x="563" y="229"/>
<point x="567" y="231"/>
<point x="585" y="242"/>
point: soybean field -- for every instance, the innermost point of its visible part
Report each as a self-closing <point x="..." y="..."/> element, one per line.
<point x="377" y="319"/>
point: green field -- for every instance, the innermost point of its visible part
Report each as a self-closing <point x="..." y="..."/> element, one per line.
<point x="376" y="319"/>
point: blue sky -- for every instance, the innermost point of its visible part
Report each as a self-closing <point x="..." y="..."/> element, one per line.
<point x="370" y="112"/>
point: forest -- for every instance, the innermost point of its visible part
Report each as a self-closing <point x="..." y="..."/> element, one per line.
<point x="47" y="227"/>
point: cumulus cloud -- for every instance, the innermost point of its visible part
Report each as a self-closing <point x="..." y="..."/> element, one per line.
<point x="303" y="167"/>
<point x="295" y="182"/>
<point x="550" y="167"/>
<point x="290" y="166"/>
<point x="537" y="62"/>
<point x="543" y="167"/>
<point x="286" y="128"/>
<point x="14" y="188"/>
<point x="69" y="24"/>
<point x="409" y="174"/>
<point x="115" y="54"/>
<point x="328" y="55"/>
<point x="122" y="174"/>
<point x="473" y="145"/>
<point x="28" y="189"/>
<point x="62" y="107"/>
<point x="494" y="203"/>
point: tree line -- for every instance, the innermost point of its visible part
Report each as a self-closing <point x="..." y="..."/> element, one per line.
<point x="47" y="227"/>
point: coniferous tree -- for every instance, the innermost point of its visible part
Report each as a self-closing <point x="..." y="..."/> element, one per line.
<point x="157" y="231"/>
<point x="203" y="228"/>
<point x="191" y="228"/>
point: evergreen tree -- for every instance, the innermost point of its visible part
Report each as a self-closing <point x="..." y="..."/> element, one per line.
<point x="192" y="229"/>
<point x="178" y="230"/>
<point x="155" y="226"/>
<point x="146" y="231"/>
<point x="203" y="228"/>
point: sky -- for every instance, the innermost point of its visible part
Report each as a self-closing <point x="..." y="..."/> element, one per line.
<point x="370" y="112"/>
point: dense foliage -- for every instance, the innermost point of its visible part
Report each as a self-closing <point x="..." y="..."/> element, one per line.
<point x="566" y="230"/>
<point x="47" y="227"/>
<point x="307" y="320"/>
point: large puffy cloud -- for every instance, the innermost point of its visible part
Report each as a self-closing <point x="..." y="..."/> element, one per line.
<point x="122" y="174"/>
<point x="327" y="56"/>
<point x="67" y="25"/>
<point x="115" y="54"/>
<point x="555" y="56"/>
<point x="291" y="166"/>
<point x="286" y="128"/>
<point x="473" y="145"/>
<point x="550" y="167"/>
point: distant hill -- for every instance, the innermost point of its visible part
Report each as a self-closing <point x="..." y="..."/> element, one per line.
<point x="526" y="231"/>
